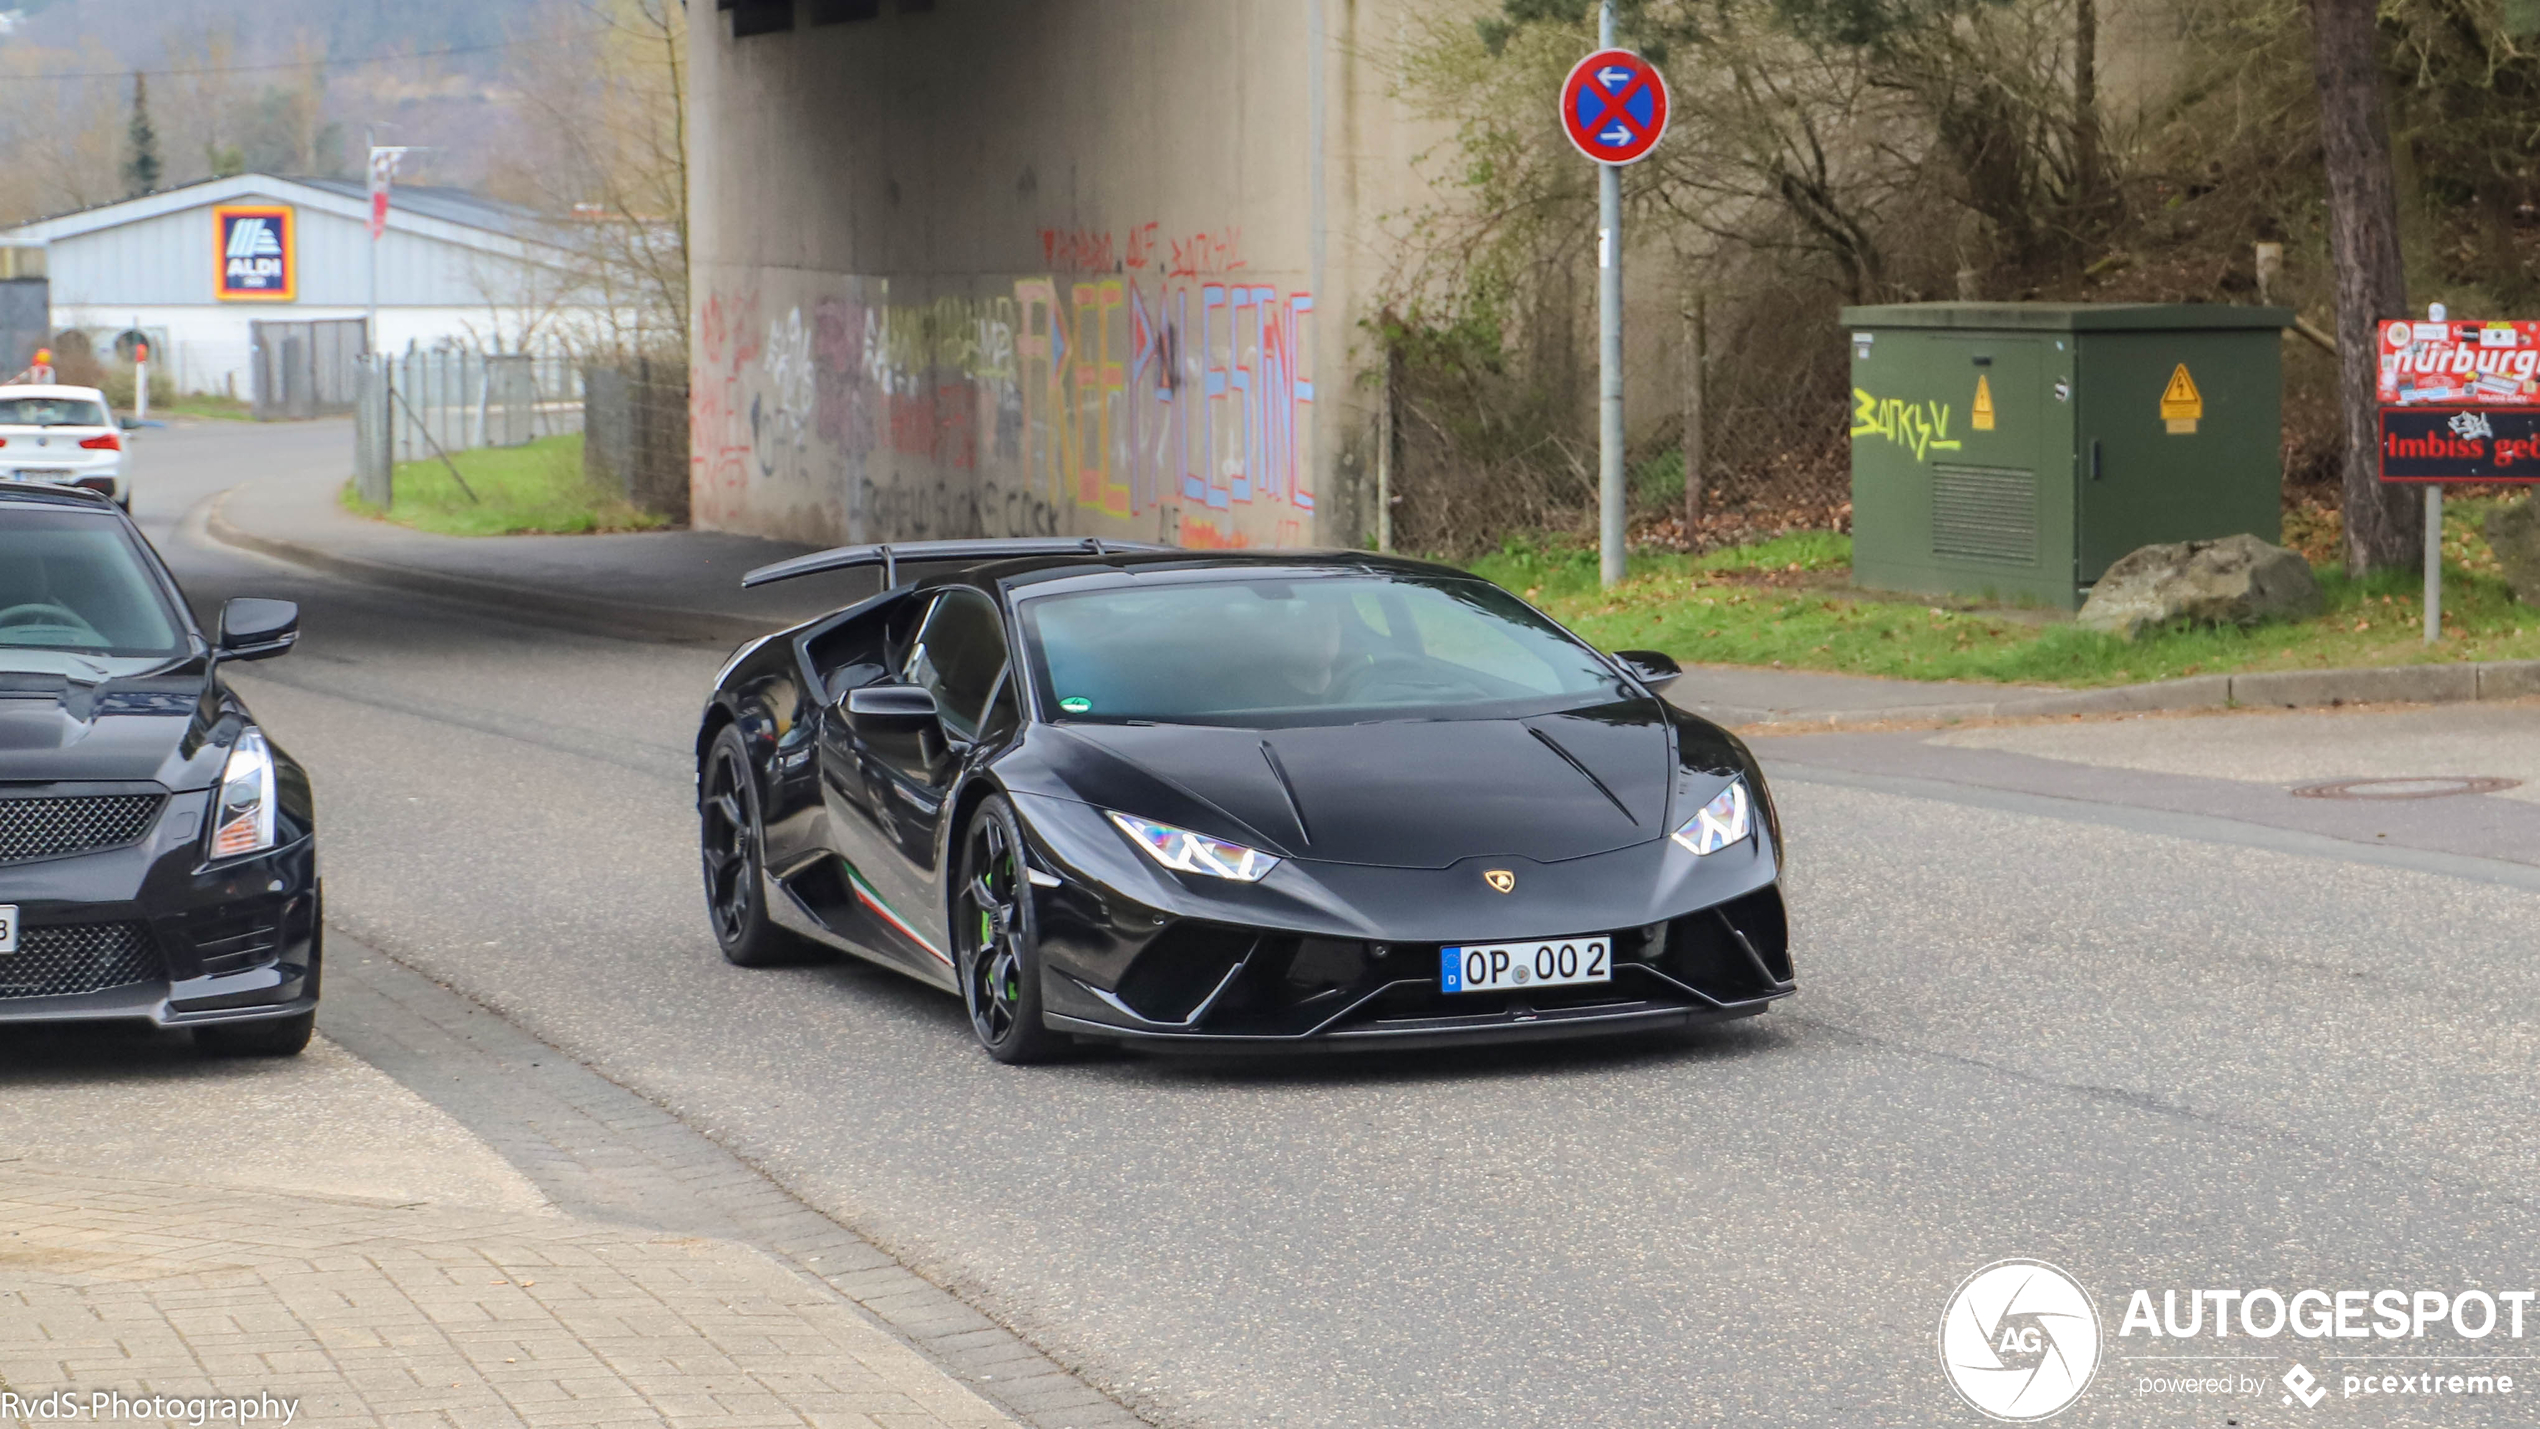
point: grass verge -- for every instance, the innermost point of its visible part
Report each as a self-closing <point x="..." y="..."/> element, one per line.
<point x="1774" y="603"/>
<point x="193" y="404"/>
<point x="536" y="489"/>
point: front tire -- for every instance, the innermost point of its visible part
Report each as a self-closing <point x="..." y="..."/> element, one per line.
<point x="732" y="844"/>
<point x="999" y="941"/>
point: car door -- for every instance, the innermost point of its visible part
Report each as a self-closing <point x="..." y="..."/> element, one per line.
<point x="958" y="654"/>
<point x="854" y="654"/>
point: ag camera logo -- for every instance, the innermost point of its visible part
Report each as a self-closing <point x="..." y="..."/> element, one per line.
<point x="2019" y="1341"/>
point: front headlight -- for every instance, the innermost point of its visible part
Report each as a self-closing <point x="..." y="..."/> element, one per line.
<point x="1727" y="819"/>
<point x="242" y="811"/>
<point x="1185" y="852"/>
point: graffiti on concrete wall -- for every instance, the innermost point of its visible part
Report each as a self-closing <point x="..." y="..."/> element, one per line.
<point x="1146" y="379"/>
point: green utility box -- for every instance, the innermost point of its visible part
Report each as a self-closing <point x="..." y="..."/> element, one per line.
<point x="2016" y="450"/>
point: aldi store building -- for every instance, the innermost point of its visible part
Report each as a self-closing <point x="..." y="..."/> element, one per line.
<point x="192" y="269"/>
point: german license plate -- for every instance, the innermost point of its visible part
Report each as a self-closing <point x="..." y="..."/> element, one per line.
<point x="1497" y="967"/>
<point x="8" y="927"/>
<point x="41" y="473"/>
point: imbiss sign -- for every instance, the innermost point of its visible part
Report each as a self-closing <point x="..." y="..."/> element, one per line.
<point x="2460" y="401"/>
<point x="252" y="246"/>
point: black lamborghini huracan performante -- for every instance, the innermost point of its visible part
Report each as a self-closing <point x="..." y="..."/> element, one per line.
<point x="1246" y="801"/>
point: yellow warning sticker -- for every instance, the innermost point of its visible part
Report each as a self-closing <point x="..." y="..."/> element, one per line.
<point x="2181" y="403"/>
<point x="1983" y="420"/>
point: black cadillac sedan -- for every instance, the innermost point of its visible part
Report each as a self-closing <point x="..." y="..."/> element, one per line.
<point x="158" y="855"/>
<point x="1243" y="801"/>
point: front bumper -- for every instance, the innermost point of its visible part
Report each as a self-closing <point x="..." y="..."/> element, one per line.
<point x="1333" y="956"/>
<point x="147" y="933"/>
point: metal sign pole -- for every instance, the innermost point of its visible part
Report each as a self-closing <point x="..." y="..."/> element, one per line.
<point x="1609" y="347"/>
<point x="2434" y="312"/>
<point x="370" y="322"/>
<point x="1614" y="107"/>
<point x="2433" y="562"/>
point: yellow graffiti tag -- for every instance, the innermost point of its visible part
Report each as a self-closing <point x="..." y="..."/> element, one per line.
<point x="1921" y="427"/>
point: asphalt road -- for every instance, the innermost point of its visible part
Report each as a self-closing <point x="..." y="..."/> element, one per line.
<point x="2129" y="1014"/>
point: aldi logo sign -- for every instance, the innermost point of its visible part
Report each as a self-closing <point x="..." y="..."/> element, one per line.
<point x="254" y="249"/>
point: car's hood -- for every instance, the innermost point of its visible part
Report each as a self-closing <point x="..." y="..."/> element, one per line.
<point x="54" y="728"/>
<point x="1405" y="794"/>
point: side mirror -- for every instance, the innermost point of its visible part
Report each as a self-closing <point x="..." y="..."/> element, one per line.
<point x="128" y="422"/>
<point x="1650" y="667"/>
<point x="252" y="629"/>
<point x="890" y="707"/>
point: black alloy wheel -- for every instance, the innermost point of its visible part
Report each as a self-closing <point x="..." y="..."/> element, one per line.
<point x="730" y="840"/>
<point x="999" y="942"/>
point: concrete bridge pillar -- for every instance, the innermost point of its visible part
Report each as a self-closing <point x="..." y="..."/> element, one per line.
<point x="1003" y="267"/>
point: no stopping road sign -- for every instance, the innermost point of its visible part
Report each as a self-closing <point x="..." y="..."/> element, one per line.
<point x="1614" y="106"/>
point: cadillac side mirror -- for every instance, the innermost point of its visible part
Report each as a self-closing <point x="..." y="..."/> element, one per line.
<point x="1650" y="667"/>
<point x="253" y="629"/>
<point x="877" y="708"/>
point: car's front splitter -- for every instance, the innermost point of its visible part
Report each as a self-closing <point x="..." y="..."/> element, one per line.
<point x="152" y="1003"/>
<point x="1407" y="1034"/>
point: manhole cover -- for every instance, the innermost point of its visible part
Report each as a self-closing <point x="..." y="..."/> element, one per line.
<point x="2437" y="788"/>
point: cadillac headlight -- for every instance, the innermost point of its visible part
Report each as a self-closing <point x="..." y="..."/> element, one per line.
<point x="242" y="810"/>
<point x="1726" y="820"/>
<point x="1185" y="852"/>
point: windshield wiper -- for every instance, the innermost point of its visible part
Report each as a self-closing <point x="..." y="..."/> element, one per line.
<point x="98" y="674"/>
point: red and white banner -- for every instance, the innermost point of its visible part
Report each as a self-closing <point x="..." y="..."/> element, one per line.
<point x="383" y="172"/>
<point x="2460" y="364"/>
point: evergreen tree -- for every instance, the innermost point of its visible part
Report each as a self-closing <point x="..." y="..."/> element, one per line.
<point x="141" y="168"/>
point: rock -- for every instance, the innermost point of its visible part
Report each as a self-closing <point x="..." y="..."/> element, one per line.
<point x="2513" y="533"/>
<point x="2238" y="580"/>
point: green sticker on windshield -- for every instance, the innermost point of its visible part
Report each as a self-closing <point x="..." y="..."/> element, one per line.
<point x="1075" y="704"/>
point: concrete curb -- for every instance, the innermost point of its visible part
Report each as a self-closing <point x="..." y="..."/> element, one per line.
<point x="2272" y="689"/>
<point x="536" y="603"/>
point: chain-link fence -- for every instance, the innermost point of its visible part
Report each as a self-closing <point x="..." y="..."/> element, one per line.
<point x="428" y="404"/>
<point x="299" y="370"/>
<point x="1490" y="443"/>
<point x="635" y="433"/>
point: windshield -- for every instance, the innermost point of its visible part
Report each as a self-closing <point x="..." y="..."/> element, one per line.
<point x="51" y="412"/>
<point x="1315" y="650"/>
<point x="74" y="581"/>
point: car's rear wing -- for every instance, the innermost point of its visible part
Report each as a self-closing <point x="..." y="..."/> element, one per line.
<point x="974" y="552"/>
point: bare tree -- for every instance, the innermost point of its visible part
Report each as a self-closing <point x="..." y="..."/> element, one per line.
<point x="603" y="140"/>
<point x="61" y="122"/>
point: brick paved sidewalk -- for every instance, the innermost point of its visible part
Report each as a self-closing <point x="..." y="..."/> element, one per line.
<point x="425" y="1315"/>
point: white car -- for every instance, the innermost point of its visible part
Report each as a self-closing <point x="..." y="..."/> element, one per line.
<point x="65" y="436"/>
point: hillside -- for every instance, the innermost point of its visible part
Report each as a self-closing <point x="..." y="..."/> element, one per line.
<point x="288" y="85"/>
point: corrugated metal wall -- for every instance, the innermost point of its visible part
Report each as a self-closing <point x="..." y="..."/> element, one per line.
<point x="172" y="258"/>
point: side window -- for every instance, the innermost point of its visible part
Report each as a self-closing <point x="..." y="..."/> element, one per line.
<point x="958" y="654"/>
<point x="856" y="653"/>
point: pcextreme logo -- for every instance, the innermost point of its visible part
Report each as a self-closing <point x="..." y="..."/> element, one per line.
<point x="2019" y="1341"/>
